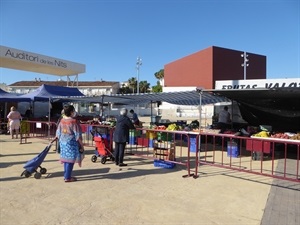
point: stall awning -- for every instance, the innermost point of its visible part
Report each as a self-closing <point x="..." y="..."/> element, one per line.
<point x="278" y="107"/>
<point x="177" y="98"/>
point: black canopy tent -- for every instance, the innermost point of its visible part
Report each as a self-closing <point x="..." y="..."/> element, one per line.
<point x="197" y="97"/>
<point x="177" y="98"/>
<point x="278" y="107"/>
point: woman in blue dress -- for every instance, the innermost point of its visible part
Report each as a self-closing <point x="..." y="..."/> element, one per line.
<point x="70" y="140"/>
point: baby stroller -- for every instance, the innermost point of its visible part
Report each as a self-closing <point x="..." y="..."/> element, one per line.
<point x="32" y="165"/>
<point x="102" y="149"/>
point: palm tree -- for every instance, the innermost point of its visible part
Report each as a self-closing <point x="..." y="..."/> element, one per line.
<point x="160" y="74"/>
<point x="144" y="86"/>
<point x="132" y="83"/>
<point x="125" y="90"/>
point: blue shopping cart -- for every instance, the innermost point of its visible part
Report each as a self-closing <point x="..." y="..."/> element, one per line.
<point x="34" y="164"/>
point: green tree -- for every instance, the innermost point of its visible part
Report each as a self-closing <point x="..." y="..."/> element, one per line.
<point x="160" y="74"/>
<point x="125" y="90"/>
<point x="144" y="86"/>
<point x="133" y="84"/>
<point x="157" y="88"/>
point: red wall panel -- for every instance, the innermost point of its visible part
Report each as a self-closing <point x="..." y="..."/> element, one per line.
<point x="203" y="68"/>
<point x="192" y="70"/>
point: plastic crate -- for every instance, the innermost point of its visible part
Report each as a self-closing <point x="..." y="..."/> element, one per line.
<point x="193" y="143"/>
<point x="163" y="164"/>
<point x="232" y="149"/>
<point x="193" y="147"/>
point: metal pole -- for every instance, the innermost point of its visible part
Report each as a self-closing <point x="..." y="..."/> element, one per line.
<point x="200" y="110"/>
<point x="245" y="64"/>
<point x="200" y="118"/>
<point x="138" y="64"/>
<point x="49" y="115"/>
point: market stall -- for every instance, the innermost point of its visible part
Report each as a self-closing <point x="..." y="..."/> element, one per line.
<point x="277" y="107"/>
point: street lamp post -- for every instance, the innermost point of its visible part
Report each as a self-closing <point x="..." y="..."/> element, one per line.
<point x="138" y="65"/>
<point x="245" y="64"/>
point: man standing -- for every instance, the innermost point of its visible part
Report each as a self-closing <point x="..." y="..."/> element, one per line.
<point x="121" y="136"/>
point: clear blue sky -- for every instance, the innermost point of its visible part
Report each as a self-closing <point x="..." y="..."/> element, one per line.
<point x="108" y="35"/>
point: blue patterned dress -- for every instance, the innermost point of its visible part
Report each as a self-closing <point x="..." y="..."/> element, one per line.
<point x="68" y="132"/>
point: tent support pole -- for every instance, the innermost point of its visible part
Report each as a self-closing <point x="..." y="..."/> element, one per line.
<point x="101" y="113"/>
<point x="151" y="113"/>
<point x="200" y="118"/>
<point x="231" y="114"/>
<point x="49" y="115"/>
<point x="200" y="109"/>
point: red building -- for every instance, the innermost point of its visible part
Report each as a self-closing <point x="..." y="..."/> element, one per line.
<point x="203" y="68"/>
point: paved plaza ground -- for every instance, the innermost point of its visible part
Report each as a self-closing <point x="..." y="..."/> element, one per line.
<point x="139" y="194"/>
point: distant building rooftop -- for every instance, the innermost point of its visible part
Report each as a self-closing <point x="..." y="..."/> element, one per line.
<point x="37" y="83"/>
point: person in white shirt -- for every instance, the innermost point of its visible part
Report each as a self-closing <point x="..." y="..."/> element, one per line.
<point x="14" y="118"/>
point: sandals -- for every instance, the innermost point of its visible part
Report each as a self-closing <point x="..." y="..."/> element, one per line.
<point x="72" y="179"/>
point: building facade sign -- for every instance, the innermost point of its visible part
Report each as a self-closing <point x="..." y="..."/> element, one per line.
<point x="28" y="61"/>
<point x="256" y="84"/>
<point x="31" y="57"/>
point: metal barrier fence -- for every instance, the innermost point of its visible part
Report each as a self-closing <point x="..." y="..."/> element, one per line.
<point x="263" y="156"/>
<point x="166" y="148"/>
<point x="37" y="129"/>
<point x="159" y="145"/>
<point x="277" y="158"/>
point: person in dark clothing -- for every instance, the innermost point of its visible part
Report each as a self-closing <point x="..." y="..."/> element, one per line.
<point x="224" y="119"/>
<point x="28" y="113"/>
<point x="135" y="118"/>
<point x="121" y="136"/>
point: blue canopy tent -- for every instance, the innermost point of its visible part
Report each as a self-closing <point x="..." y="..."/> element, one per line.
<point x="50" y="93"/>
<point x="12" y="97"/>
<point x="6" y="97"/>
<point x="47" y="92"/>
